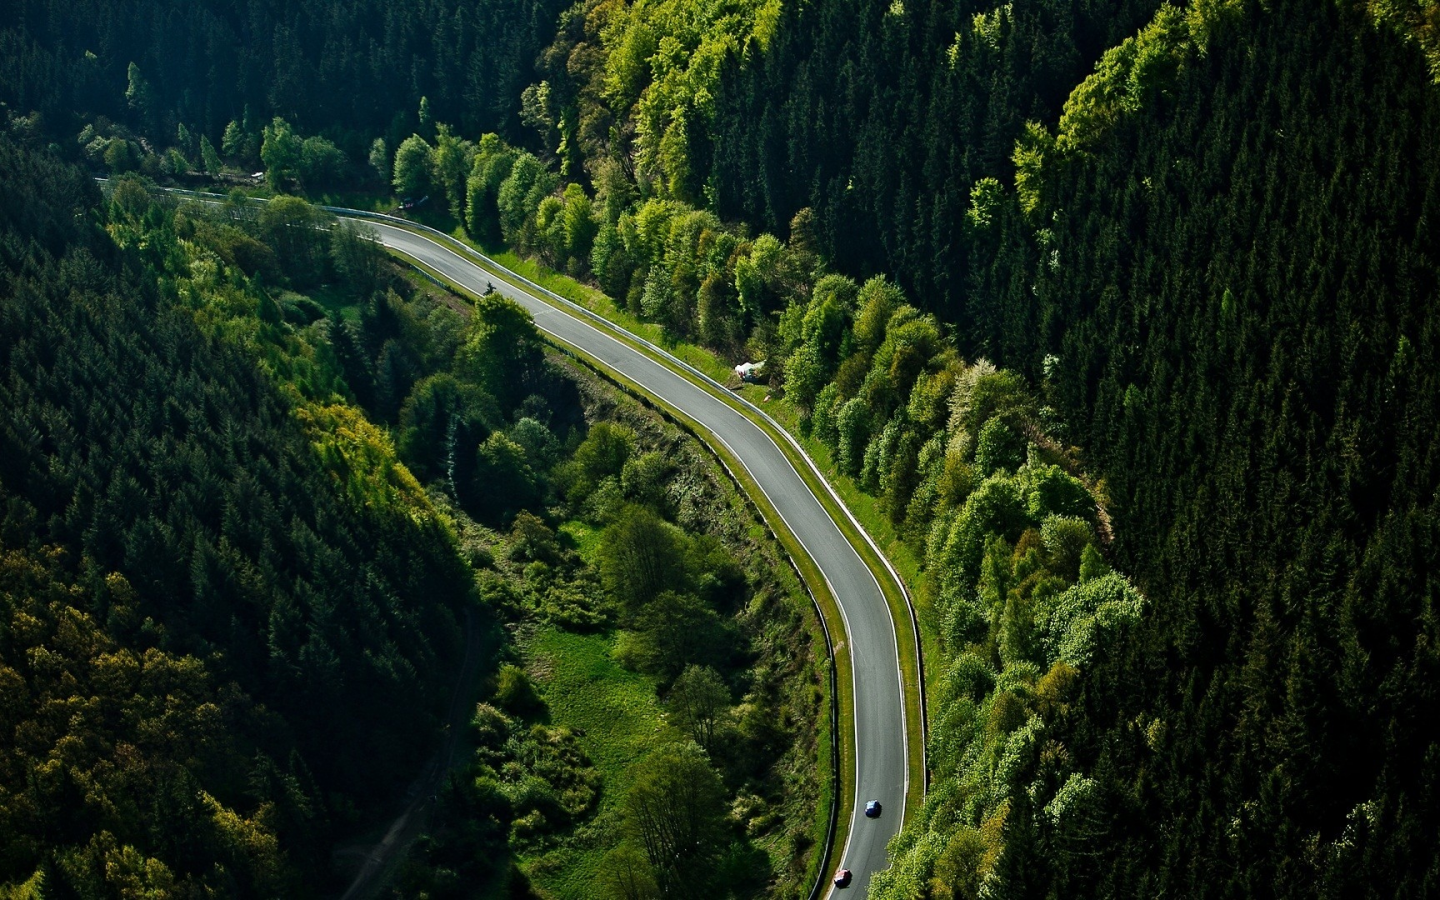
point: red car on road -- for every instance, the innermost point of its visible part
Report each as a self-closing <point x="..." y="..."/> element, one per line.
<point x="842" y="878"/>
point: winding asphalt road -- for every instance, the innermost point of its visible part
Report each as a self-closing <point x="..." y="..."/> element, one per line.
<point x="880" y="736"/>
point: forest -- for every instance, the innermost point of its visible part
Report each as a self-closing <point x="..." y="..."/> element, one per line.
<point x="199" y="584"/>
<point x="1123" y="311"/>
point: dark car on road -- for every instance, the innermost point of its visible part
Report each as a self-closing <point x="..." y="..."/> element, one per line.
<point x="872" y="809"/>
<point x="842" y="878"/>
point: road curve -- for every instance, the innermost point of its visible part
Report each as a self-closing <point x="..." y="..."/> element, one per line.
<point x="879" y="725"/>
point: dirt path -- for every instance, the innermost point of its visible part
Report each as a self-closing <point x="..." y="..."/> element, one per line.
<point x="380" y="859"/>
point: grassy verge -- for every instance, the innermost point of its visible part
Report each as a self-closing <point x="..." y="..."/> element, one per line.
<point x="794" y="582"/>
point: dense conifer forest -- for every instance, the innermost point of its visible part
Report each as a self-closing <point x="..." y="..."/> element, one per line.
<point x="1125" y="311"/>
<point x="353" y="71"/>
<point x="192" y="602"/>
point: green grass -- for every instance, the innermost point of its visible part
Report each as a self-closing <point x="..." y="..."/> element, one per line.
<point x="616" y="709"/>
<point x="586" y="538"/>
<point x="335" y="300"/>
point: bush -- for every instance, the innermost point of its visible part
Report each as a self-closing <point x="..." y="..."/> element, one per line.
<point x="413" y="177"/>
<point x="321" y="163"/>
<point x="1099" y="607"/>
<point x="301" y="310"/>
<point x="823" y="419"/>
<point x="998" y="449"/>
<point x="1049" y="491"/>
<point x="603" y="453"/>
<point x="853" y="426"/>
<point x="504" y="481"/>
<point x="1065" y="540"/>
<point x="514" y="691"/>
<point x="672" y="632"/>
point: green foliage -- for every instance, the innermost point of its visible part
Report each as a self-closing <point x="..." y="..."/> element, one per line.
<point x="140" y="96"/>
<point x="673" y="632"/>
<point x="299" y="235"/>
<point x="691" y="637"/>
<point x="610" y="262"/>
<point x="641" y="557"/>
<point x="986" y="198"/>
<point x="321" y="164"/>
<point x="644" y="479"/>
<point x="211" y="159"/>
<point x="995" y="508"/>
<point x="235" y="144"/>
<point x="805" y="374"/>
<point x="674" y="814"/>
<point x="227" y="605"/>
<point x="349" y="73"/>
<point x="1242" y="349"/>
<point x="452" y="161"/>
<point x="1125" y="80"/>
<point x="1092" y="564"/>
<point x="504" y="479"/>
<point x="1069" y="541"/>
<point x="998" y="449"/>
<point x="358" y="257"/>
<point x="166" y="709"/>
<point x="1051" y="492"/>
<point x="502" y="352"/>
<point x="492" y="164"/>
<point x="541" y="446"/>
<point x="758" y="276"/>
<point x="877" y="301"/>
<point x="514" y="692"/>
<point x="524" y="785"/>
<point x="413" y="172"/>
<point x="601" y="455"/>
<point x="824" y="415"/>
<point x="1415" y="21"/>
<point x="661" y="69"/>
<point x="281" y="151"/>
<point x="697" y="703"/>
<point x="518" y="197"/>
<point x="406" y="364"/>
<point x="852" y="427"/>
<point x="1088" y="615"/>
<point x="575" y="238"/>
<point x="121" y="156"/>
<point x="379" y="159"/>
